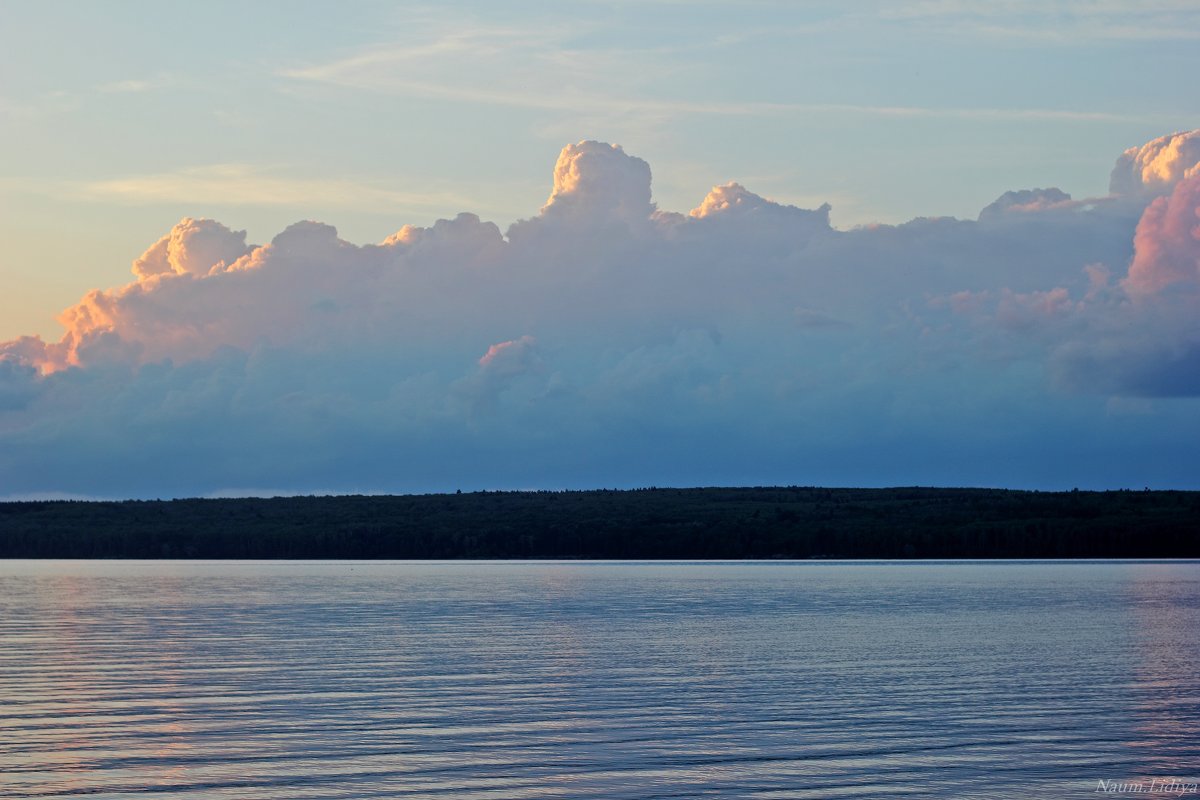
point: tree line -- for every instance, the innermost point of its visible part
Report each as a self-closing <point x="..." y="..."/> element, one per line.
<point x="708" y="523"/>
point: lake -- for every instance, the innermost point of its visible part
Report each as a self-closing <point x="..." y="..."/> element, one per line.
<point x="466" y="680"/>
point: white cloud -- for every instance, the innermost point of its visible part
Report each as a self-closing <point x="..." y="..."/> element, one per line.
<point x="546" y="69"/>
<point x="137" y="85"/>
<point x="245" y="185"/>
<point x="594" y="181"/>
<point x="1156" y="166"/>
<point x="193" y="247"/>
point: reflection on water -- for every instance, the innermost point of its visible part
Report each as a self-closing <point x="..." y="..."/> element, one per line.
<point x="593" y="680"/>
<point x="1165" y="631"/>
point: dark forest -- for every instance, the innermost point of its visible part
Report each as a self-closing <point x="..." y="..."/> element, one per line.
<point x="712" y="523"/>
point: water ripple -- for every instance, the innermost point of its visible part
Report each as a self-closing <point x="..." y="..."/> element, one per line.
<point x="471" y="680"/>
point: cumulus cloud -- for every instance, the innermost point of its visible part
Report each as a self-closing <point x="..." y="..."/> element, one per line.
<point x="733" y="205"/>
<point x="1141" y="336"/>
<point x="1156" y="166"/>
<point x="1131" y="329"/>
<point x="604" y="341"/>
<point x="193" y="247"/>
<point x="1167" y="242"/>
<point x="499" y="370"/>
<point x="598" y="181"/>
<point x="732" y="198"/>
<point x="1024" y="201"/>
<point x="509" y="358"/>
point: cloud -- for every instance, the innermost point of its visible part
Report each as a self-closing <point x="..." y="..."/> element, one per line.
<point x="1070" y="22"/>
<point x="734" y="201"/>
<point x="813" y="319"/>
<point x="606" y="341"/>
<point x="193" y="247"/>
<point x="1139" y="366"/>
<point x="1142" y="337"/>
<point x="1167" y="241"/>
<point x="593" y="180"/>
<point x="499" y="370"/>
<point x="1135" y="336"/>
<point x="556" y="69"/>
<point x="136" y="85"/>
<point x="1024" y="201"/>
<point x="18" y="384"/>
<point x="1156" y="166"/>
<point x="509" y="358"/>
<point x="246" y="185"/>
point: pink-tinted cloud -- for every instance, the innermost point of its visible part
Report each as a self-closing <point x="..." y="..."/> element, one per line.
<point x="1136" y="336"/>
<point x="747" y="340"/>
<point x="510" y="358"/>
<point x="1023" y="310"/>
<point x="1167" y="242"/>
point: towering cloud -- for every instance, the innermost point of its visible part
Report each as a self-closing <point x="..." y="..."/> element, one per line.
<point x="594" y="181"/>
<point x="1167" y="242"/>
<point x="1156" y="166"/>
<point x="193" y="247"/>
<point x="605" y="341"/>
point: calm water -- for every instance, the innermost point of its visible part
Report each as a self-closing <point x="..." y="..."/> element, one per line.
<point x="595" y="680"/>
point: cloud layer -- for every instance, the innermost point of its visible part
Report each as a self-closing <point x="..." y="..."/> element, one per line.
<point x="604" y="341"/>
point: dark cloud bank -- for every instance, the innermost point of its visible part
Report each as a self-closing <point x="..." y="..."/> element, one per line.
<point x="1050" y="343"/>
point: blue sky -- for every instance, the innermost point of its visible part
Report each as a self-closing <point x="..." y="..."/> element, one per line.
<point x="119" y="120"/>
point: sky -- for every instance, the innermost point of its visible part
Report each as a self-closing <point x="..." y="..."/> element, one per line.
<point x="281" y="247"/>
